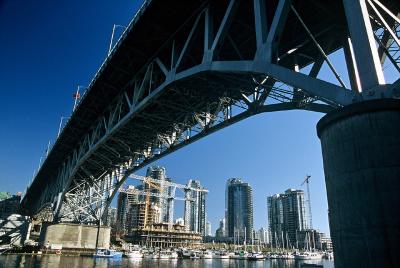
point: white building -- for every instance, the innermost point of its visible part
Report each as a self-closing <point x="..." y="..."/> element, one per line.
<point x="180" y="221"/>
<point x="208" y="228"/>
<point x="263" y="235"/>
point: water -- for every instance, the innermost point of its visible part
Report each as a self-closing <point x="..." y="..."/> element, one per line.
<point x="27" y="261"/>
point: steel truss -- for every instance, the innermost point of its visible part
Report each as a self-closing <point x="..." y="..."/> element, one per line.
<point x="192" y="88"/>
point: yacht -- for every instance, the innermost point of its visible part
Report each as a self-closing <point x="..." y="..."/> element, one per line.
<point x="163" y="255"/>
<point x="286" y="256"/>
<point x="173" y="255"/>
<point x="328" y="255"/>
<point x="308" y="256"/>
<point x="221" y="255"/>
<point x="186" y="253"/>
<point x="152" y="255"/>
<point x="195" y="255"/>
<point x="272" y="255"/>
<point x="239" y="255"/>
<point x="167" y="254"/>
<point x="206" y="255"/>
<point x="107" y="253"/>
<point x="255" y="256"/>
<point x="134" y="252"/>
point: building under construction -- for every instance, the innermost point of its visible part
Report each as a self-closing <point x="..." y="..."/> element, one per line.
<point x="137" y="218"/>
<point x="145" y="212"/>
<point x="144" y="228"/>
<point x="164" y="235"/>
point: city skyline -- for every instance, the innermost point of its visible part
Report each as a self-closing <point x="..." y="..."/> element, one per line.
<point x="179" y="214"/>
<point x="195" y="222"/>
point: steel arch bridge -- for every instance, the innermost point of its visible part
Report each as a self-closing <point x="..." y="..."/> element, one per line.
<point x="185" y="69"/>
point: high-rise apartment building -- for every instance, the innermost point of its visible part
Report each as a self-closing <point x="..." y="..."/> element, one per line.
<point x="287" y="216"/>
<point x="125" y="200"/>
<point x="275" y="219"/>
<point x="263" y="236"/>
<point x="239" y="210"/>
<point x="208" y="231"/>
<point x="111" y="217"/>
<point x="195" y="208"/>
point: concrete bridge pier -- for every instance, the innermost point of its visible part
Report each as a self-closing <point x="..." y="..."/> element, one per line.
<point x="361" y="154"/>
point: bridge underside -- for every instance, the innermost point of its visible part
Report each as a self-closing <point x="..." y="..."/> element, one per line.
<point x="185" y="69"/>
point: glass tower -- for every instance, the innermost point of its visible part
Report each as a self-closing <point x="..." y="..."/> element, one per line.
<point x="287" y="216"/>
<point x="239" y="210"/>
<point x="195" y="208"/>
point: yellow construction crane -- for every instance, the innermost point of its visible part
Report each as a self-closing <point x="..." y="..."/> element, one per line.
<point x="150" y="184"/>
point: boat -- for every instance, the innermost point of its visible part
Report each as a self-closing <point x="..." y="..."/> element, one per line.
<point x="107" y="253"/>
<point x="255" y="256"/>
<point x="186" y="253"/>
<point x="206" y="254"/>
<point x="308" y="256"/>
<point x="151" y="256"/>
<point x="195" y="255"/>
<point x="166" y="255"/>
<point x="173" y="255"/>
<point x="221" y="255"/>
<point x="310" y="265"/>
<point x="286" y="256"/>
<point x="134" y="252"/>
<point x="272" y="256"/>
<point x="328" y="255"/>
<point x="239" y="255"/>
<point x="163" y="255"/>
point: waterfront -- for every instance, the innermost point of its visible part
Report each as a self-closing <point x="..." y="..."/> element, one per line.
<point x="28" y="261"/>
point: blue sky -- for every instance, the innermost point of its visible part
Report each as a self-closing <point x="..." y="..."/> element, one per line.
<point x="49" y="47"/>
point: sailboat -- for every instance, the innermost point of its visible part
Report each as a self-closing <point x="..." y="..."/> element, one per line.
<point x="255" y="255"/>
<point x="308" y="254"/>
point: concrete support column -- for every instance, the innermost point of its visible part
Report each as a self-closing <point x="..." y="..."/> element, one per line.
<point x="361" y="153"/>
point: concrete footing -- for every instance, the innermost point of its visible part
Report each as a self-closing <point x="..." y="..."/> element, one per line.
<point x="361" y="153"/>
<point x="73" y="236"/>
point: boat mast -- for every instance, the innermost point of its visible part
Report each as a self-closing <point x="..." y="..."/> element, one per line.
<point x="244" y="241"/>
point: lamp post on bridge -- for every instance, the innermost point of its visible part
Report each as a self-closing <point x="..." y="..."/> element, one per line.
<point x="61" y="122"/>
<point x="112" y="37"/>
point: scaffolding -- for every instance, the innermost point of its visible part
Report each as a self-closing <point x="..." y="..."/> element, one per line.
<point x="162" y="236"/>
<point x="144" y="223"/>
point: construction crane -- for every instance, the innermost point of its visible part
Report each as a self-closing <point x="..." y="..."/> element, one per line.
<point x="147" y="202"/>
<point x="148" y="193"/>
<point x="307" y="181"/>
<point x="166" y="183"/>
